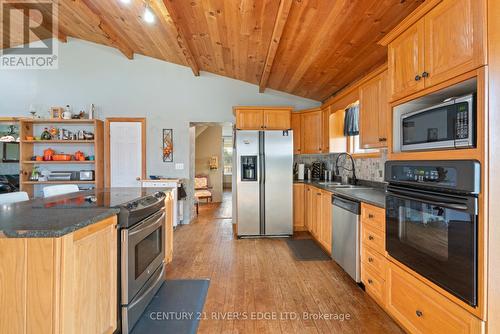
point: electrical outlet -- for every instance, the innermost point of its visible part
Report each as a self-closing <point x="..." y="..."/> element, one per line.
<point x="179" y="166"/>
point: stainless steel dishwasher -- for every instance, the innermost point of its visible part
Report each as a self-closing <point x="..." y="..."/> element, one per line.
<point x="346" y="235"/>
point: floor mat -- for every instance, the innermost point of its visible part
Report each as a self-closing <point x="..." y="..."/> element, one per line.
<point x="176" y="308"/>
<point x="307" y="250"/>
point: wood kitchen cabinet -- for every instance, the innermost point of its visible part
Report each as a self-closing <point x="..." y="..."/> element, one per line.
<point x="337" y="139"/>
<point x="263" y="118"/>
<point x="443" y="43"/>
<point x="299" y="207"/>
<point x="420" y="309"/>
<point x="325" y="130"/>
<point x="312" y="132"/>
<point x="325" y="234"/>
<point x="297" y="131"/>
<point x="309" y="208"/>
<point x="60" y="285"/>
<point x="373" y="112"/>
<point x="373" y="260"/>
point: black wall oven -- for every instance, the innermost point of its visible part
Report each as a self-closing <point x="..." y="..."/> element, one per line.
<point x="431" y="221"/>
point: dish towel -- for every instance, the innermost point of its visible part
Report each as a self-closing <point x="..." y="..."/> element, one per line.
<point x="351" y="121"/>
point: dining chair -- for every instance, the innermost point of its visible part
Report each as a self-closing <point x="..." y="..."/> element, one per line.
<point x="19" y="196"/>
<point x="60" y="190"/>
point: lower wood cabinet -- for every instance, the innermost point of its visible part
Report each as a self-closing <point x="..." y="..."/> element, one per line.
<point x="420" y="309"/>
<point x="63" y="285"/>
<point x="317" y="215"/>
<point x="299" y="207"/>
<point x="373" y="260"/>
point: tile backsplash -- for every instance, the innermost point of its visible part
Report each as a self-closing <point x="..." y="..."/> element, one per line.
<point x="369" y="169"/>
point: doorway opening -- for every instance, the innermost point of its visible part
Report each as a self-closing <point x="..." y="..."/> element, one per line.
<point x="212" y="170"/>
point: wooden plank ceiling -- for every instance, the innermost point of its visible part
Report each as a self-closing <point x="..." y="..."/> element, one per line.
<point x="309" y="48"/>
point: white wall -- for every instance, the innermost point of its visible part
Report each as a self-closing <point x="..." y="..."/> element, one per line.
<point x="168" y="95"/>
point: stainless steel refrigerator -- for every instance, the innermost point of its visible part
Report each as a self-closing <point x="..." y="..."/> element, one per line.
<point x="264" y="183"/>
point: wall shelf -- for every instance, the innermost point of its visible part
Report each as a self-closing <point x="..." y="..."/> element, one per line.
<point x="57" y="182"/>
<point x="29" y="148"/>
<point x="62" y="162"/>
<point x="58" y="141"/>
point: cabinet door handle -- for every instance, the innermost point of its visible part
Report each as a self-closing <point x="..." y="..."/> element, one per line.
<point x="419" y="313"/>
<point x="370" y="216"/>
<point x="418" y="77"/>
<point x="370" y="237"/>
<point x="370" y="281"/>
<point x="382" y="139"/>
<point x="425" y="74"/>
<point x="370" y="259"/>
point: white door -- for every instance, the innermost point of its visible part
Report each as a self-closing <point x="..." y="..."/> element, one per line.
<point x="125" y="153"/>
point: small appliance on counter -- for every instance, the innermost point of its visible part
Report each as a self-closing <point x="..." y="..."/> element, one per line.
<point x="301" y="171"/>
<point x="86" y="175"/>
<point x="317" y="170"/>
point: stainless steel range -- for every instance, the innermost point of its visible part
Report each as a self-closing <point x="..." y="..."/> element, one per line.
<point x="142" y="254"/>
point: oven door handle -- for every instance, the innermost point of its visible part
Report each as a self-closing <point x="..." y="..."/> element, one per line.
<point x="434" y="200"/>
<point x="145" y="225"/>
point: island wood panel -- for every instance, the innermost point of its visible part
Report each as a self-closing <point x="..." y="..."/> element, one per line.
<point x="60" y="285"/>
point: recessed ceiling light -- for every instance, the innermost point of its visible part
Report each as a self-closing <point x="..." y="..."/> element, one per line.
<point x="149" y="16"/>
<point x="126" y="2"/>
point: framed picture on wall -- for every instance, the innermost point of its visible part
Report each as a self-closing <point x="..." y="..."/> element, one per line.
<point x="168" y="145"/>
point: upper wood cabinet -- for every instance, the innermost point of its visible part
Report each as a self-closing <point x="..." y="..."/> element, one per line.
<point x="337" y="139"/>
<point x="373" y="112"/>
<point x="263" y="118"/>
<point x="325" y="130"/>
<point x="406" y="62"/>
<point x="295" y="125"/>
<point x="454" y="39"/>
<point x="447" y="41"/>
<point x="311" y="131"/>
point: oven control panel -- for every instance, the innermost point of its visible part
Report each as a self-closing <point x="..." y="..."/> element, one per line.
<point x="425" y="174"/>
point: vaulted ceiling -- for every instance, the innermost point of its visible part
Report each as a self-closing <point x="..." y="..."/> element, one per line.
<point x="309" y="48"/>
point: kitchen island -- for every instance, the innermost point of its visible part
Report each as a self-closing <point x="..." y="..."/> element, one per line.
<point x="59" y="261"/>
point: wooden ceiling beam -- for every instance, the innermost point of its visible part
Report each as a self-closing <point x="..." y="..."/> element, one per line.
<point x="106" y="28"/>
<point x="279" y="27"/>
<point x="167" y="14"/>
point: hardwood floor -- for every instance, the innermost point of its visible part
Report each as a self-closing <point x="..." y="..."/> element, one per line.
<point x="260" y="277"/>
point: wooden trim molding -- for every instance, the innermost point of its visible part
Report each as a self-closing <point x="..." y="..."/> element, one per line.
<point x="166" y="13"/>
<point x="411" y="19"/>
<point x="492" y="133"/>
<point x="107" y="162"/>
<point x="279" y="27"/>
<point x="106" y="28"/>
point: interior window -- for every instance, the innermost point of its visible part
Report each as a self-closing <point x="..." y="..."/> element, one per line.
<point x="354" y="146"/>
<point x="228" y="154"/>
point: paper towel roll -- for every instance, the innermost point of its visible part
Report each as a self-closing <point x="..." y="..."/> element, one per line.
<point x="301" y="172"/>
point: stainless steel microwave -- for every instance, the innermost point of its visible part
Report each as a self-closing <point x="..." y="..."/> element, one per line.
<point x="449" y="125"/>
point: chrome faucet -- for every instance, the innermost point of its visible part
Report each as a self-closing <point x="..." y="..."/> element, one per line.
<point x="352" y="169"/>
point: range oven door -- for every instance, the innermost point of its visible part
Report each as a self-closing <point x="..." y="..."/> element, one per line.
<point x="435" y="234"/>
<point x="143" y="252"/>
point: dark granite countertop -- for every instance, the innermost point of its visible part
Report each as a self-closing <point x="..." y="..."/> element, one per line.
<point x="365" y="193"/>
<point x="59" y="215"/>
